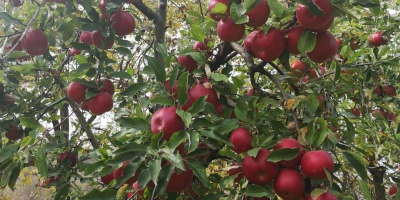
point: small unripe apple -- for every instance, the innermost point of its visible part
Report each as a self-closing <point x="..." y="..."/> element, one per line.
<point x="241" y="140"/>
<point x="228" y="31"/>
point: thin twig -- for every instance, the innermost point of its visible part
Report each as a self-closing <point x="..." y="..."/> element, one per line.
<point x="48" y="107"/>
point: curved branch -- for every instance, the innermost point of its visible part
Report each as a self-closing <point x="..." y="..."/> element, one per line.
<point x="148" y="12"/>
<point x="221" y="57"/>
<point x="295" y="89"/>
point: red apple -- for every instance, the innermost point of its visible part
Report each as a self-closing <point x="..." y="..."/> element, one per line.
<point x="389" y="91"/>
<point x="107" y="178"/>
<point x="259" y="15"/>
<point x="201" y="46"/>
<point x="16" y="3"/>
<point x="118" y="173"/>
<point x="98" y="39"/>
<point x="378" y="90"/>
<point x="377" y="40"/>
<point x="204" y="89"/>
<point x="236" y="170"/>
<point x="138" y="191"/>
<point x="228" y="31"/>
<point x="108" y="86"/>
<point x="248" y="42"/>
<point x="241" y="140"/>
<point x="101" y="103"/>
<point x="326" y="48"/>
<point x="288" y="143"/>
<point x="85" y="106"/>
<point x="68" y="158"/>
<point x="268" y="47"/>
<point x="166" y="120"/>
<point x="356" y="112"/>
<point x="212" y="4"/>
<point x="298" y="68"/>
<point x="124" y="23"/>
<point x="339" y="43"/>
<point x="380" y="112"/>
<point x="86" y="37"/>
<point x="305" y="79"/>
<point x="390" y="116"/>
<point x="35" y="42"/>
<point x="76" y="92"/>
<point x="326" y="26"/>
<point x="313" y="73"/>
<point x="393" y="190"/>
<point x="324" y="196"/>
<point x="252" y="92"/>
<point x="13" y="133"/>
<point x="73" y="51"/>
<point x="103" y="10"/>
<point x="257" y="170"/>
<point x="188" y="62"/>
<point x="293" y="37"/>
<point x="314" y="162"/>
<point x="188" y="103"/>
<point x="310" y="21"/>
<point x="18" y="47"/>
<point x="321" y="101"/>
<point x="180" y="180"/>
<point x="289" y="184"/>
<point x="174" y="90"/>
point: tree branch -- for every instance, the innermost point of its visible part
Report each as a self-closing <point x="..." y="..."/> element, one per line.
<point x="221" y="57"/>
<point x="295" y="89"/>
<point x="148" y="12"/>
<point x="85" y="125"/>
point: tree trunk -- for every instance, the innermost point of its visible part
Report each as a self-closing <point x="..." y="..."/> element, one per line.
<point x="160" y="28"/>
<point x="377" y="175"/>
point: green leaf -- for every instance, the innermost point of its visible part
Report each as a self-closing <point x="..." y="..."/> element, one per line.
<point x="320" y="132"/>
<point x="62" y="192"/>
<point x="162" y="100"/>
<point x="186" y="117"/>
<point x="159" y="70"/>
<point x="307" y="42"/>
<point x="241" y="111"/>
<point x="337" y="70"/>
<point x="125" y="75"/>
<point x="216" y="136"/>
<point x="283" y="154"/>
<point x="5" y="178"/>
<point x="136" y="123"/>
<point x="7" y="17"/>
<point x="227" y="180"/>
<point x="317" y="192"/>
<point x="107" y="194"/>
<point x="197" y="33"/>
<point x="80" y="46"/>
<point x="219" y="8"/>
<point x="124" y="51"/>
<point x="133" y="89"/>
<point x="199" y="57"/>
<point x="365" y="190"/>
<point x="94" y="167"/>
<point x="174" y="159"/>
<point x="155" y="169"/>
<point x="253" y="152"/>
<point x="164" y="177"/>
<point x="227" y="125"/>
<point x="182" y="88"/>
<point x="176" y="139"/>
<point x="237" y="13"/>
<point x="14" y="177"/>
<point x="193" y="141"/>
<point x="144" y="178"/>
<point x="199" y="170"/>
<point x="129" y="171"/>
<point x="351" y="131"/>
<point x="7" y="151"/>
<point x="198" y="106"/>
<point x="269" y="101"/>
<point x="358" y="163"/>
<point x="131" y="147"/>
<point x="275" y="7"/>
<point x="250" y="4"/>
<point x="220" y="77"/>
<point x="41" y="162"/>
<point x="311" y="103"/>
<point x="29" y="122"/>
<point x="258" y="191"/>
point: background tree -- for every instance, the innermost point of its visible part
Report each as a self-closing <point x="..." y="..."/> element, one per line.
<point x="202" y="100"/>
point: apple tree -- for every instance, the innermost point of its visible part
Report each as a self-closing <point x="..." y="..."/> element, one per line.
<point x="219" y="99"/>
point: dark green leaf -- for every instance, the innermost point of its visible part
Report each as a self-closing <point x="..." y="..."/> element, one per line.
<point x="320" y="132"/>
<point x="176" y="139"/>
<point x="8" y="18"/>
<point x="157" y="67"/>
<point x="311" y="104"/>
<point x="136" y="123"/>
<point x="144" y="178"/>
<point x="94" y="167"/>
<point x="41" y="162"/>
<point x="283" y="154"/>
<point x="186" y="117"/>
<point x="124" y="51"/>
<point x="125" y="75"/>
<point x="80" y="46"/>
<point x="164" y="177"/>
<point x="131" y="147"/>
<point x="155" y="169"/>
<point x="198" y="105"/>
<point x="193" y="141"/>
<point x="358" y="163"/>
<point x="129" y="171"/>
<point x="14" y="177"/>
<point x="7" y="151"/>
<point x="275" y="7"/>
<point x="162" y="100"/>
<point x="258" y="191"/>
<point x="133" y="89"/>
<point x="107" y="194"/>
<point x="351" y="131"/>
<point x="365" y="189"/>
<point x="199" y="171"/>
<point x="29" y="122"/>
<point x="216" y="136"/>
<point x="182" y="85"/>
<point x="174" y="159"/>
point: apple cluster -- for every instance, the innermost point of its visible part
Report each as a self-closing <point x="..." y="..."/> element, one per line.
<point x="99" y="104"/>
<point x="284" y="176"/>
